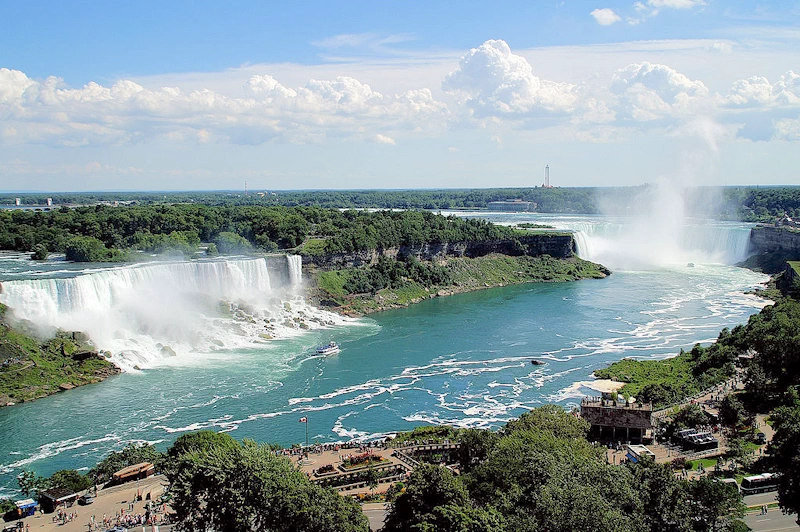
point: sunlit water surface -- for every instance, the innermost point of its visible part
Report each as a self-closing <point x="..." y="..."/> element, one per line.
<point x="464" y="360"/>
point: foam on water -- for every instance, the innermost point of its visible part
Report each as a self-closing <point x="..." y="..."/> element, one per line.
<point x="463" y="360"/>
<point x="151" y="314"/>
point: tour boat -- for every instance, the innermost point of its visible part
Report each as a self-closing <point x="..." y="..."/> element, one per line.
<point x="330" y="349"/>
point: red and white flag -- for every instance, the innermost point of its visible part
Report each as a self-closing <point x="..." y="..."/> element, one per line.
<point x="303" y="419"/>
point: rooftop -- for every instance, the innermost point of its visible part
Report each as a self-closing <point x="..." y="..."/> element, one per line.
<point x="599" y="402"/>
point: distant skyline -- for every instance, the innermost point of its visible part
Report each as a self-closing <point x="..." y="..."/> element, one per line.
<point x="179" y="95"/>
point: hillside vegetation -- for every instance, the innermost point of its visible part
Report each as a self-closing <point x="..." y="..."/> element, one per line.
<point x="391" y="283"/>
<point x="732" y="203"/>
<point x="101" y="233"/>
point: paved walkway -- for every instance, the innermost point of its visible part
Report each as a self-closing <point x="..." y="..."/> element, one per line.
<point x="108" y="501"/>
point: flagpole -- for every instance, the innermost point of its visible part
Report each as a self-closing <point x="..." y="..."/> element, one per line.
<point x="306" y="432"/>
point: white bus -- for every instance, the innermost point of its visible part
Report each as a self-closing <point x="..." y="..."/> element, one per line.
<point x="759" y="483"/>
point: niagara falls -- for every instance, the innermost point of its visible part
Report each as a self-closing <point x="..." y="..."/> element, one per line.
<point x="228" y="344"/>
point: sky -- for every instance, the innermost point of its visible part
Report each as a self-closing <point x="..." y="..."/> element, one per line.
<point x="204" y="95"/>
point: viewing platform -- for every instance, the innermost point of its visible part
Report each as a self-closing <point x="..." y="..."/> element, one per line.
<point x="613" y="420"/>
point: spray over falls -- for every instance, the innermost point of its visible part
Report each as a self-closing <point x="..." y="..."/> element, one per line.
<point x="626" y="244"/>
<point x="151" y="314"/>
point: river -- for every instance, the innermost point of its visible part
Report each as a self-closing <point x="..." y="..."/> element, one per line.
<point x="463" y="360"/>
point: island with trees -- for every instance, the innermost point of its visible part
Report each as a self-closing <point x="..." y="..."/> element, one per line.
<point x="32" y="368"/>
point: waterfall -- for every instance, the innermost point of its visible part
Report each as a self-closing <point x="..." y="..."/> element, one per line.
<point x="627" y="243"/>
<point x="295" y="264"/>
<point x="146" y="313"/>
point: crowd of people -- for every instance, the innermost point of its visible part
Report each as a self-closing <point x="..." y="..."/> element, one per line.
<point x="127" y="519"/>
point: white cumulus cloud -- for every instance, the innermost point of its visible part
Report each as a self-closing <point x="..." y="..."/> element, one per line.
<point x="757" y="91"/>
<point x="49" y="112"/>
<point x="651" y="91"/>
<point x="605" y="16"/>
<point x="383" y="139"/>
<point x="494" y="82"/>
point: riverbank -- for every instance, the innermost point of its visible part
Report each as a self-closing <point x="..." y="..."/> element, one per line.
<point x="463" y="274"/>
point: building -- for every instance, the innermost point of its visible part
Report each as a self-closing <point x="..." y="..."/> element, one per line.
<point x="17" y="202"/>
<point x="51" y="499"/>
<point x="134" y="472"/>
<point x="613" y="420"/>
<point x="546" y="183"/>
<point x="516" y="205"/>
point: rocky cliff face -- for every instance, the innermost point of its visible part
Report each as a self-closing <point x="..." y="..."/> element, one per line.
<point x="558" y="245"/>
<point x="769" y="239"/>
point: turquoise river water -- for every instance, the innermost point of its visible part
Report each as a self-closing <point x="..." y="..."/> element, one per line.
<point x="193" y="362"/>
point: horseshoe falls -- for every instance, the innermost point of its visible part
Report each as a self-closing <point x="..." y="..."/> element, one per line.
<point x="245" y="363"/>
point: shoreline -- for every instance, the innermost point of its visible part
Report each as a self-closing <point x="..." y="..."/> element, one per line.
<point x="473" y="274"/>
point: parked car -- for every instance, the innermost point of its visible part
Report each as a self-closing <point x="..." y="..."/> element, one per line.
<point x="761" y="438"/>
<point x="84" y="500"/>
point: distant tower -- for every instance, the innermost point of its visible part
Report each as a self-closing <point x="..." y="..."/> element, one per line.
<point x="245" y="188"/>
<point x="547" y="176"/>
<point x="17" y="202"/>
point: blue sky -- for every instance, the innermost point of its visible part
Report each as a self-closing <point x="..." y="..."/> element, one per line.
<point x="293" y="95"/>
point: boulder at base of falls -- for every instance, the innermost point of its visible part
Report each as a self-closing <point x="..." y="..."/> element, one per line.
<point x="167" y="351"/>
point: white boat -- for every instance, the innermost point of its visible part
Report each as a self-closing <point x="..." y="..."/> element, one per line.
<point x="331" y="349"/>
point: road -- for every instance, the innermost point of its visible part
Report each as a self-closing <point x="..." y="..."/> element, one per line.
<point x="376" y="513"/>
<point x="774" y="520"/>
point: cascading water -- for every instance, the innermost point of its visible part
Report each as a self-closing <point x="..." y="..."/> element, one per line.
<point x="148" y="314"/>
<point x="295" y="263"/>
<point x="625" y="243"/>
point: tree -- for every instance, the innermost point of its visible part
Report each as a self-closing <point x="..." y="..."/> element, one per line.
<point x="7" y="505"/>
<point x="436" y="500"/>
<point x="30" y="484"/>
<point x="39" y="252"/>
<point x="551" y="418"/>
<point x="89" y="249"/>
<point x="70" y="479"/>
<point x="784" y="451"/>
<point x="737" y="448"/>
<point x="714" y="504"/>
<point x="690" y="416"/>
<point x="220" y="484"/>
<point x="228" y="242"/>
<point x="476" y="445"/>
<point x="732" y="412"/>
<point x="664" y="497"/>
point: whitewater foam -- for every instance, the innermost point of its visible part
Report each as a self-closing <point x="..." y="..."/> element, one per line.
<point x="166" y="313"/>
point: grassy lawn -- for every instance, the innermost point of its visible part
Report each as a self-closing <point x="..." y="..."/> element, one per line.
<point x="676" y="372"/>
<point x="332" y="282"/>
<point x="313" y="246"/>
<point x="707" y="463"/>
